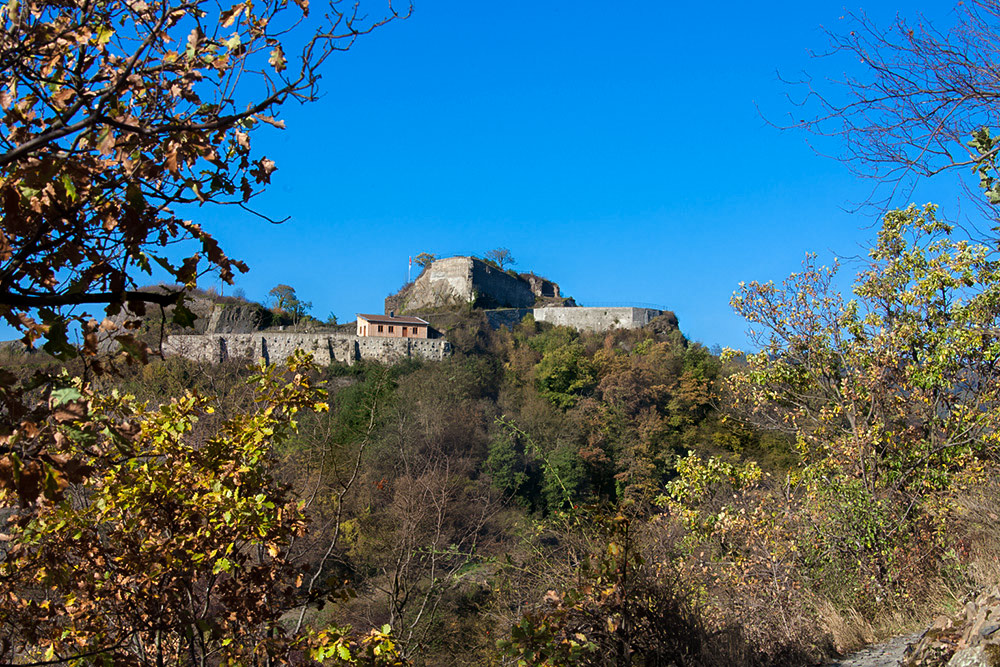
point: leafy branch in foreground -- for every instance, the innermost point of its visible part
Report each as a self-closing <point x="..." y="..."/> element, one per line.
<point x="893" y="396"/>
<point x="112" y="114"/>
<point x="175" y="548"/>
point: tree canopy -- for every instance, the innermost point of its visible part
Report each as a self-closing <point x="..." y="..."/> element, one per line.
<point x="137" y="534"/>
<point x="919" y="98"/>
<point x="287" y="302"/>
<point x="500" y="256"/>
<point x="114" y="114"/>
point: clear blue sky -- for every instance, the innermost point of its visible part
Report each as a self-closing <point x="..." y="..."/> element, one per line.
<point x="615" y="148"/>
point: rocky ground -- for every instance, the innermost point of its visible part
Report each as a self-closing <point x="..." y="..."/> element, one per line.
<point x="886" y="654"/>
<point x="970" y="638"/>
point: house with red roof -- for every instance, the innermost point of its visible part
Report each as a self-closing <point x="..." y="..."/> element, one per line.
<point x="391" y="326"/>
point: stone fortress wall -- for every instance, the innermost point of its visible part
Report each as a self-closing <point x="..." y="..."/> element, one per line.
<point x="499" y="287"/>
<point x="326" y="348"/>
<point x="597" y="319"/>
<point x="581" y="318"/>
<point x="234" y="331"/>
<point x="508" y="298"/>
<point x="455" y="281"/>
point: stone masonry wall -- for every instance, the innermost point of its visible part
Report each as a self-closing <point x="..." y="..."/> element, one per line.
<point x="446" y="282"/>
<point x="325" y="347"/>
<point x="597" y="319"/>
<point x="498" y="288"/>
<point x="578" y="317"/>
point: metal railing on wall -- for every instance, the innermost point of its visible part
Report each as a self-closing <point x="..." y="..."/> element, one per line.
<point x="620" y="304"/>
<point x="602" y="304"/>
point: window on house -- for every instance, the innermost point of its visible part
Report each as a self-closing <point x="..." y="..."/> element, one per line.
<point x="390" y="328"/>
<point x="380" y="328"/>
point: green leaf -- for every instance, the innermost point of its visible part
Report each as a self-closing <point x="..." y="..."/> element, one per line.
<point x="69" y="186"/>
<point x="133" y="347"/>
<point x="28" y="192"/>
<point x="65" y="395"/>
<point x="104" y="35"/>
<point x="57" y="344"/>
<point x="183" y="316"/>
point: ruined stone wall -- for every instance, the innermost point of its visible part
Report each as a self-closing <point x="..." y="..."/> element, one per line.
<point x="446" y="282"/>
<point x="455" y="281"/>
<point x="542" y="287"/>
<point x="325" y="347"/>
<point x="499" y="289"/>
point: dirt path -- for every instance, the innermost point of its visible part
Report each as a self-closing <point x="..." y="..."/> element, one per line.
<point x="886" y="654"/>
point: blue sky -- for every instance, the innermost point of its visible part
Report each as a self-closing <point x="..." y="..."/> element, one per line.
<point x="615" y="148"/>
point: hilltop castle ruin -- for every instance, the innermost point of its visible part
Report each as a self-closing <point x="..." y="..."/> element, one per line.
<point x="505" y="297"/>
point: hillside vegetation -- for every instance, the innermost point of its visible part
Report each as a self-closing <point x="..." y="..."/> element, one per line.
<point x="543" y="496"/>
<point x="564" y="498"/>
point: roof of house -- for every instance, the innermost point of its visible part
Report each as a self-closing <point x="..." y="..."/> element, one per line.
<point x="385" y="319"/>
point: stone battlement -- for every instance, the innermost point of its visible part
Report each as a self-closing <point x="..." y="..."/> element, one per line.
<point x="326" y="348"/>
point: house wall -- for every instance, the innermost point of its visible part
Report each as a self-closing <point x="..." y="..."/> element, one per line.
<point x="412" y="330"/>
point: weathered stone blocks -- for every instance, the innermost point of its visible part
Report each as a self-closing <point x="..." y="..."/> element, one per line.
<point x="579" y="317"/>
<point x="326" y="348"/>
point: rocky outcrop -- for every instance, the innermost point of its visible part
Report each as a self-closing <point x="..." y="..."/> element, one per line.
<point x="237" y="318"/>
<point x="457" y="281"/>
<point x="969" y="639"/>
<point x="541" y="287"/>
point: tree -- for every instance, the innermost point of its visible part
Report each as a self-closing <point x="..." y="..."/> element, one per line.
<point x="424" y="260"/>
<point x="620" y="610"/>
<point x="114" y="114"/>
<point x="177" y="547"/>
<point x="564" y="374"/>
<point x="905" y="374"/>
<point x="287" y="303"/>
<point x="919" y="100"/>
<point x="893" y="396"/>
<point x="501" y="256"/>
